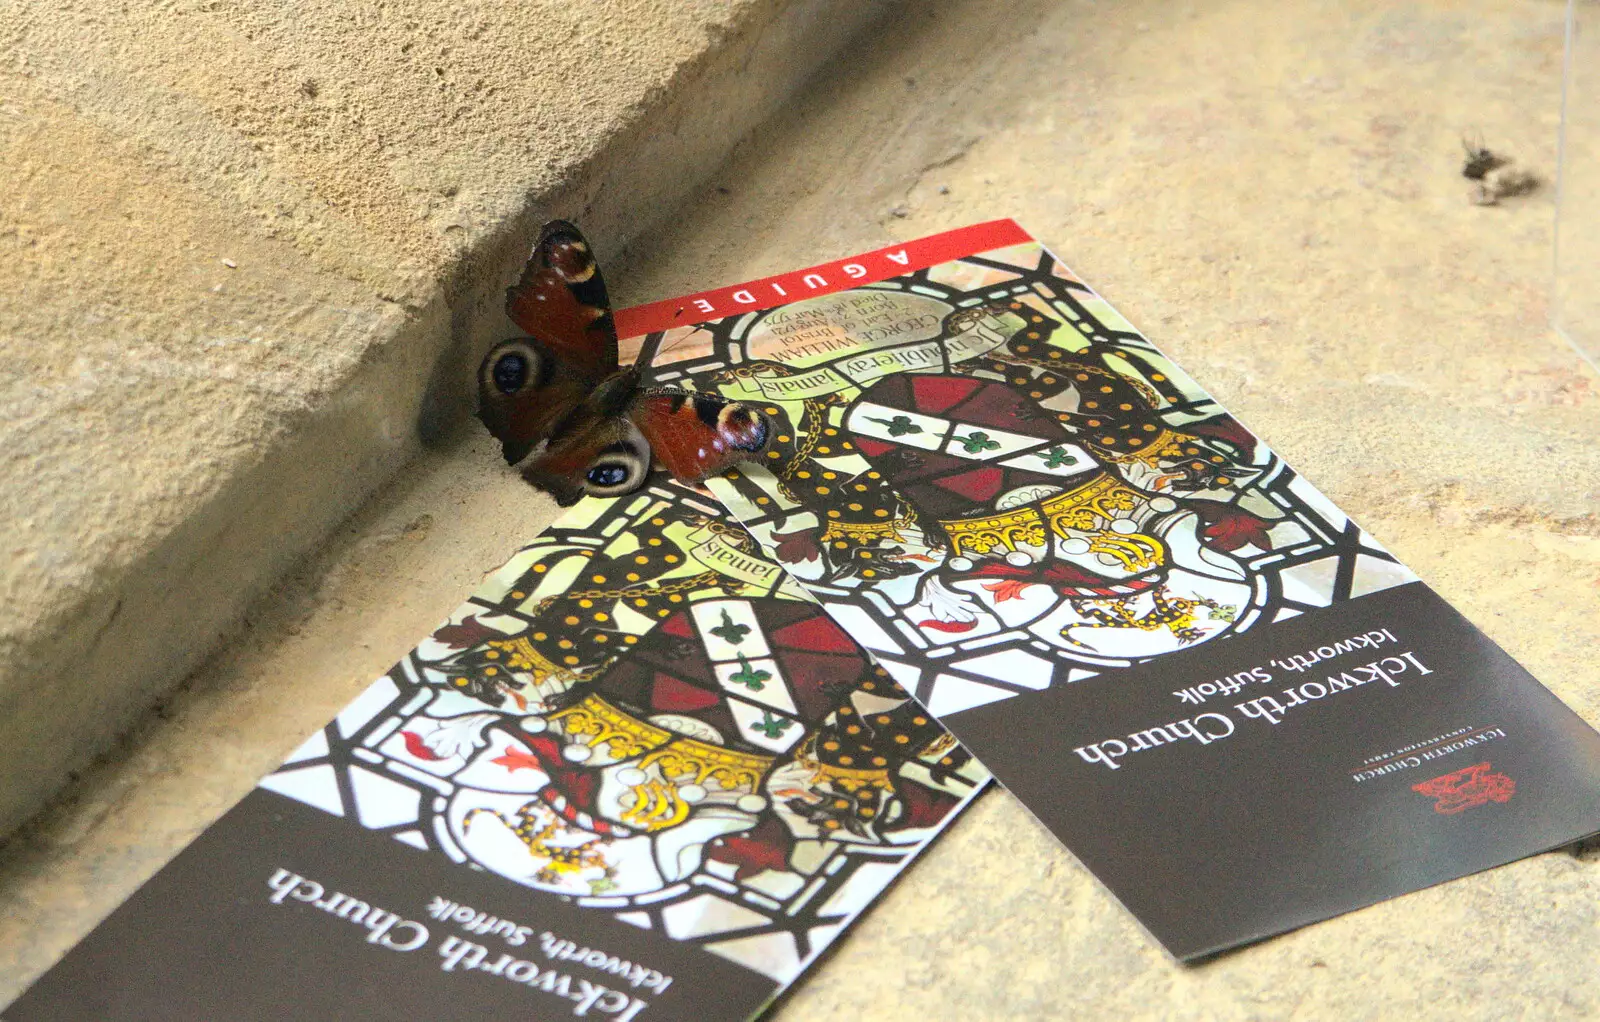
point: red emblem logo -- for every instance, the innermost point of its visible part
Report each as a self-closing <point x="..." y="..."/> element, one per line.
<point x="1467" y="789"/>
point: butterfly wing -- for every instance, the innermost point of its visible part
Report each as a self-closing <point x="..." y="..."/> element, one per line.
<point x="697" y="435"/>
<point x="606" y="447"/>
<point x="528" y="386"/>
<point x="599" y="456"/>
<point x="561" y="300"/>
<point x="523" y="394"/>
<point x="594" y="449"/>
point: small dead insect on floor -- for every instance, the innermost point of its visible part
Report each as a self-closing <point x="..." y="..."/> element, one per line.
<point x="1493" y="175"/>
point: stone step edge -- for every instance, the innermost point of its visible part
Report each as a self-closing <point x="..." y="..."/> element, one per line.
<point x="129" y="641"/>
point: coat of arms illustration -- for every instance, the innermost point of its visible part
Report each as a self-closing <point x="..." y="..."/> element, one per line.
<point x="641" y="714"/>
<point x="1000" y="485"/>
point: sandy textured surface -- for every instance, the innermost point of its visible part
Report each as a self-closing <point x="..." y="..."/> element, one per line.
<point x="1577" y="292"/>
<point x="250" y="253"/>
<point x="1271" y="191"/>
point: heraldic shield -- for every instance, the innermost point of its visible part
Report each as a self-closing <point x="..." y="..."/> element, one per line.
<point x="752" y="717"/>
<point x="639" y="716"/>
<point x="1019" y="500"/>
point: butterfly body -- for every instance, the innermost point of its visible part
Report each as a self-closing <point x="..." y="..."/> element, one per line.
<point x="574" y="420"/>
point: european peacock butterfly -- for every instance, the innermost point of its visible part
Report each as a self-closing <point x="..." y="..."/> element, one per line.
<point x="576" y="421"/>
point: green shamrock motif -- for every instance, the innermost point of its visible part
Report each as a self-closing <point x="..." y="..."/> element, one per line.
<point x="729" y="631"/>
<point x="900" y="425"/>
<point x="752" y="678"/>
<point x="1055" y="457"/>
<point x="771" y="726"/>
<point x="978" y="442"/>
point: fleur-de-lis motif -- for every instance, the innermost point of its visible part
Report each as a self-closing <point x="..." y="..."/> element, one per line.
<point x="1055" y="457"/>
<point x="900" y="425"/>
<point x="772" y="727"/>
<point x="729" y="631"/>
<point x="752" y="678"/>
<point x="978" y="442"/>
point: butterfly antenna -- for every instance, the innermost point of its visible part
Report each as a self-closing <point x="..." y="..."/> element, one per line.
<point x="680" y="339"/>
<point x="648" y="350"/>
<point x="652" y="349"/>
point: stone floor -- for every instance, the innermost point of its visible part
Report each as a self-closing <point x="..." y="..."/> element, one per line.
<point x="1271" y="191"/>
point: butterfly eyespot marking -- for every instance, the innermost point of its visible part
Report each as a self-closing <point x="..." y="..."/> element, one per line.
<point x="709" y="409"/>
<point x="745" y="428"/>
<point x="608" y="475"/>
<point x="512" y="367"/>
<point x="620" y="468"/>
<point x="569" y="257"/>
<point x="510" y="373"/>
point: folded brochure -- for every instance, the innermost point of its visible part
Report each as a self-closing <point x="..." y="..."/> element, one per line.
<point x="638" y="775"/>
<point x="1233" y="705"/>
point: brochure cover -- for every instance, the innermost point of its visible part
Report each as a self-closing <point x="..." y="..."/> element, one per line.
<point x="1230" y="702"/>
<point x="639" y="775"/>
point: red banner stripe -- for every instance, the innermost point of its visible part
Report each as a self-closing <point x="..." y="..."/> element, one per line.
<point x="826" y="278"/>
